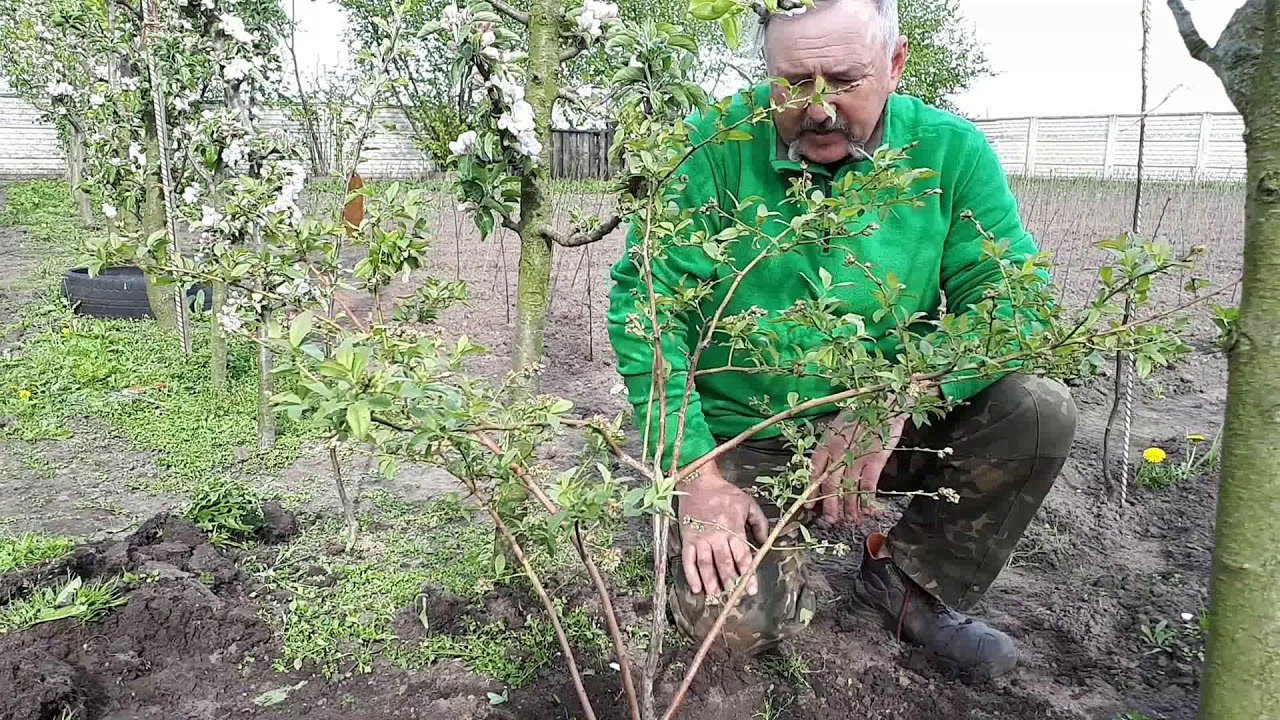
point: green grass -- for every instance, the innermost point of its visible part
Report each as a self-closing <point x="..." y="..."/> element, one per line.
<point x="129" y="373"/>
<point x="340" y="620"/>
<point x="17" y="552"/>
<point x="73" y="599"/>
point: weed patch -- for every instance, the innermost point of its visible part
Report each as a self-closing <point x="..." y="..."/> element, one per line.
<point x="17" y="552"/>
<point x="342" y="608"/>
<point x="73" y="599"/>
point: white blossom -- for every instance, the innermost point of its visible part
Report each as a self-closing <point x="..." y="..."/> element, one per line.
<point x="286" y="201"/>
<point x="465" y="143"/>
<point x="206" y="4"/>
<point x="487" y="38"/>
<point x="235" y="153"/>
<point x="518" y="119"/>
<point x="234" y="27"/>
<point x="58" y="89"/>
<point x="453" y="19"/>
<point x="190" y="194"/>
<point x="182" y="103"/>
<point x="237" y="69"/>
<point x="129" y="83"/>
<point x="209" y="217"/>
<point x="101" y="72"/>
<point x="594" y="15"/>
<point x="1186" y="617"/>
<point x="109" y="210"/>
<point x="96" y="100"/>
<point x="512" y="92"/>
<point x="137" y="155"/>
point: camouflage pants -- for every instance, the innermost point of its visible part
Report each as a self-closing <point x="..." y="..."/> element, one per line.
<point x="1010" y="443"/>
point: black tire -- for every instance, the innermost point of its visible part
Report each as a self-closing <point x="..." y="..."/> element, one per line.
<point x="116" y="292"/>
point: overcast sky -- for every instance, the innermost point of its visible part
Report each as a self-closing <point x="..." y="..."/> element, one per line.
<point x="1094" y="68"/>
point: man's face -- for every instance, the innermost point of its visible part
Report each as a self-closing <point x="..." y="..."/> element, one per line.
<point x="840" y="41"/>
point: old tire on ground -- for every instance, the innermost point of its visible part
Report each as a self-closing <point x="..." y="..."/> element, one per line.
<point x="116" y="292"/>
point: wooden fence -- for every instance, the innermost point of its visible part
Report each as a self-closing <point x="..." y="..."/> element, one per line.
<point x="1188" y="147"/>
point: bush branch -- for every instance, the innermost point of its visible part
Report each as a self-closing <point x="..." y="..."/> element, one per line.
<point x="578" y="239"/>
<point x="602" y="590"/>
<point x="519" y="16"/>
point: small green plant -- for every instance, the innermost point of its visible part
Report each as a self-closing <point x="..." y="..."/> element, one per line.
<point x="229" y="510"/>
<point x="17" y="552"/>
<point x="789" y="665"/>
<point x="75" y="598"/>
<point x="1157" y="473"/>
<point x="1184" y="640"/>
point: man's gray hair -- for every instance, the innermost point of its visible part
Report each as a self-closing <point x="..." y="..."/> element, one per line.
<point x="887" y="10"/>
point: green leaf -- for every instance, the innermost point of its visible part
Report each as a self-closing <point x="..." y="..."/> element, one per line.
<point x="499" y="563"/>
<point x="359" y="419"/>
<point x="300" y="326"/>
<point x="732" y="28"/>
<point x="561" y="407"/>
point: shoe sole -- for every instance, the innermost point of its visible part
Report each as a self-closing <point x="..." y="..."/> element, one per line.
<point x="863" y="606"/>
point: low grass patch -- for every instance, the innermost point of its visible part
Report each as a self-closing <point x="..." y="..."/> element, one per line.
<point x="129" y="373"/>
<point x="74" y="598"/>
<point x="342" y="609"/>
<point x="20" y="551"/>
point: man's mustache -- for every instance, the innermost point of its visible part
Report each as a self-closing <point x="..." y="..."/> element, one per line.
<point x="829" y="124"/>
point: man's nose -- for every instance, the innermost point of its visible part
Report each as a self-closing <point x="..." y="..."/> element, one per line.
<point x="817" y="112"/>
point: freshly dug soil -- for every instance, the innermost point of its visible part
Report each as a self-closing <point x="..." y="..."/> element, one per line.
<point x="190" y="643"/>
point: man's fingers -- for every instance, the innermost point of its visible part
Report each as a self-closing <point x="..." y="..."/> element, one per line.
<point x="707" y="568"/>
<point x="869" y="481"/>
<point x="820" y="458"/>
<point x="725" y="564"/>
<point x="689" y="561"/>
<point x="831" y="502"/>
<point x="742" y="557"/>
<point x="758" y="522"/>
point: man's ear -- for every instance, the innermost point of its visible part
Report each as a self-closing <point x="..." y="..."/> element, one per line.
<point x="899" y="63"/>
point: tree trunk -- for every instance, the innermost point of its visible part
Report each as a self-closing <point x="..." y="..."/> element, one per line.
<point x="75" y="175"/>
<point x="1242" y="666"/>
<point x="218" y="339"/>
<point x="533" y="291"/>
<point x="160" y="297"/>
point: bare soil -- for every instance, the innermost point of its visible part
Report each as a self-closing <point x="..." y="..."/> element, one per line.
<point x="1088" y="577"/>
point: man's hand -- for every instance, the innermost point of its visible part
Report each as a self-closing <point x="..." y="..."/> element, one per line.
<point x="863" y="474"/>
<point x="715" y="549"/>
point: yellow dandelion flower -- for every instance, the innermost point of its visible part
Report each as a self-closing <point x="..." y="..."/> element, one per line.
<point x="1154" y="455"/>
<point x="1195" y="438"/>
<point x="24" y="394"/>
<point x="66" y="331"/>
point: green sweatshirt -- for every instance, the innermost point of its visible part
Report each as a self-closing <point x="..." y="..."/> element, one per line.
<point x="929" y="248"/>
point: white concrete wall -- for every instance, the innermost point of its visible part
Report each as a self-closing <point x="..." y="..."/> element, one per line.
<point x="1187" y="147"/>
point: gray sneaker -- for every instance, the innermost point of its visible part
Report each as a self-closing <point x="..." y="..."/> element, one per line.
<point x="976" y="650"/>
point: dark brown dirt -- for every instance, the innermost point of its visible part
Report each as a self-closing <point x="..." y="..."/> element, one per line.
<point x="1086" y="580"/>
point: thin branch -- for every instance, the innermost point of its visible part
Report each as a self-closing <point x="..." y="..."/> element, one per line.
<point x="572" y="52"/>
<point x="519" y="16"/>
<point x="614" y="447"/>
<point x="578" y="239"/>
<point x="550" y="607"/>
<point x="510" y="224"/>
<point x="1196" y="44"/>
<point x="602" y="590"/>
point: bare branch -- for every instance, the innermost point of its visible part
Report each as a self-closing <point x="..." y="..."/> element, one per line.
<point x="1196" y="45"/>
<point x="578" y="239"/>
<point x="572" y="52"/>
<point x="602" y="590"/>
<point x="510" y="224"/>
<point x="519" y="16"/>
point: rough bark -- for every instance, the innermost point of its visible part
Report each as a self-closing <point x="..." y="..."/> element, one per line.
<point x="1237" y="51"/>
<point x="160" y="297"/>
<point x="75" y="174"/>
<point x="533" y="291"/>
<point x="1242" y="664"/>
<point x="218" y="339"/>
<point x="266" y="417"/>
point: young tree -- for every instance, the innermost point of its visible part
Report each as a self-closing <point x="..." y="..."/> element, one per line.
<point x="946" y="56"/>
<point x="1242" y="666"/>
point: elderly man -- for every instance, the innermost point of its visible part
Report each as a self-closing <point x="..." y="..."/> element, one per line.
<point x="1009" y="435"/>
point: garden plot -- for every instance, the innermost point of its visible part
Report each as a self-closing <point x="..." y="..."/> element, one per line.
<point x="221" y="587"/>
